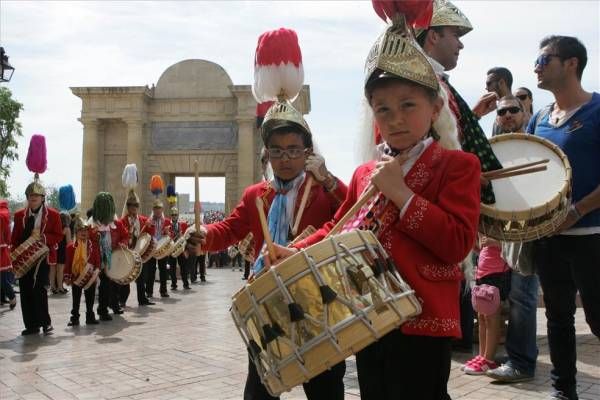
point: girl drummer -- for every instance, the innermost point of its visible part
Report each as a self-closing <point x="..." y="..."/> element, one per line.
<point x="81" y="252"/>
<point x="425" y="215"/>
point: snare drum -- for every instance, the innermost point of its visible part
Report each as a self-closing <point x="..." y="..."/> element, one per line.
<point x="528" y="206"/>
<point x="87" y="277"/>
<point x="126" y="266"/>
<point x="27" y="255"/>
<point x="179" y="246"/>
<point x="320" y="306"/>
<point x="145" y="246"/>
<point x="164" y="248"/>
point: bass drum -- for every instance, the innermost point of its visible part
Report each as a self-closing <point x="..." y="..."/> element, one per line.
<point x="126" y="266"/>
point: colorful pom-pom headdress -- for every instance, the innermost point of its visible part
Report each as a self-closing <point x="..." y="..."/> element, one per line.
<point x="36" y="163"/>
<point x="130" y="180"/>
<point x="66" y="198"/>
<point x="278" y="78"/>
<point x="157" y="187"/>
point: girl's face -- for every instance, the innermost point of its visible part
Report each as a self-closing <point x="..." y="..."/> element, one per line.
<point x="404" y="113"/>
<point x="82" y="234"/>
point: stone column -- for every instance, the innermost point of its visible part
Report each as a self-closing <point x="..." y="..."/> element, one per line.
<point x="245" y="154"/>
<point x="90" y="163"/>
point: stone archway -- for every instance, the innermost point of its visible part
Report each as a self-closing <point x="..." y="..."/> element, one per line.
<point x="193" y="112"/>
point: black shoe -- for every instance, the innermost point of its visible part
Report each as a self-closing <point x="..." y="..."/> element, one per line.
<point x="146" y="303"/>
<point x="105" y="317"/>
<point x="30" y="331"/>
<point x="187" y="287"/>
<point x="122" y="304"/>
<point x="149" y="295"/>
<point x="164" y="295"/>
<point x="202" y="279"/>
<point x="73" y="322"/>
<point x="13" y="303"/>
<point x="90" y="319"/>
<point x="48" y="329"/>
<point x="194" y="280"/>
<point x="118" y="311"/>
<point x="173" y="287"/>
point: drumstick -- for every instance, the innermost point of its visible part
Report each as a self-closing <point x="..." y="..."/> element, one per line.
<point x="366" y="196"/>
<point x="197" y="197"/>
<point x="265" y="227"/>
<point x="517" y="172"/>
<point x="489" y="174"/>
<point x="307" y="187"/>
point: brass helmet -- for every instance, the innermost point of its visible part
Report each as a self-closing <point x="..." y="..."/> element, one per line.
<point x="283" y="114"/>
<point x="157" y="203"/>
<point x="397" y="54"/>
<point x="447" y="14"/>
<point x="35" y="187"/>
<point x="132" y="198"/>
<point x="174" y="211"/>
<point x="80" y="223"/>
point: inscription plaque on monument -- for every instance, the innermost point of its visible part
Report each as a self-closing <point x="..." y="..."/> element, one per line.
<point x="196" y="135"/>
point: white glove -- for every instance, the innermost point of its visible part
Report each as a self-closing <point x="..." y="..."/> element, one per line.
<point x="316" y="165"/>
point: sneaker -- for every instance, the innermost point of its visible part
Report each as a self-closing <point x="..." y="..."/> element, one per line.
<point x="558" y="395"/>
<point x="47" y="329"/>
<point x="73" y="322"/>
<point x="471" y="361"/>
<point x="30" y="331"/>
<point x="480" y="367"/>
<point x="506" y="373"/>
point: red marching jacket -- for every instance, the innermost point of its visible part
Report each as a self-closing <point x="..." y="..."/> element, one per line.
<point x="5" y="261"/>
<point x="51" y="230"/>
<point x="182" y="225"/>
<point x="144" y="227"/>
<point x="320" y="208"/>
<point x="435" y="233"/>
<point x="93" y="257"/>
<point x="118" y="234"/>
<point x="167" y="228"/>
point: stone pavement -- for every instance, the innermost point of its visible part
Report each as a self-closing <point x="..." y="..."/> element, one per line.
<point x="186" y="347"/>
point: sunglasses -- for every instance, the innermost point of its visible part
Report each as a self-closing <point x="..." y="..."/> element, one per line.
<point x="512" y="110"/>
<point x="292" y="154"/>
<point x="544" y="59"/>
<point x="132" y="205"/>
<point x="522" y="97"/>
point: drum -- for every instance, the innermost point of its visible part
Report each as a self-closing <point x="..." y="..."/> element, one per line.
<point x="527" y="206"/>
<point x="179" y="246"/>
<point x="126" y="266"/>
<point x="27" y="255"/>
<point x="320" y="306"/>
<point x="145" y="246"/>
<point x="87" y="277"/>
<point x="164" y="248"/>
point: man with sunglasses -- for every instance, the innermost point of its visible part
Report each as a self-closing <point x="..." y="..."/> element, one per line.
<point x="520" y="345"/>
<point x="510" y="115"/>
<point x="568" y="261"/>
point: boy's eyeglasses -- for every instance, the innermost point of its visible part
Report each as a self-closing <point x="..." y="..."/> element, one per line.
<point x="512" y="110"/>
<point x="544" y="59"/>
<point x="292" y="154"/>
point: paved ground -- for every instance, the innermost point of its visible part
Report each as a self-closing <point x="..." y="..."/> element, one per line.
<point x="186" y="347"/>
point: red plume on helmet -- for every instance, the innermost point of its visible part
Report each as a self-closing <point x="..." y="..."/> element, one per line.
<point x="278" y="71"/>
<point x="418" y="13"/>
<point x="36" y="154"/>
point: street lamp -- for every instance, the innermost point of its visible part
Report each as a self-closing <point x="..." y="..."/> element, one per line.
<point x="6" y="70"/>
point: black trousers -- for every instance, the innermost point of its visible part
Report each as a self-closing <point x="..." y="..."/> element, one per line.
<point x="151" y="273"/>
<point x="328" y="385"/>
<point x="89" y="294"/>
<point x="123" y="293"/>
<point x="34" y="297"/>
<point x="107" y="294"/>
<point x="401" y="366"/>
<point x="140" y="285"/>
<point x="198" y="267"/>
<point x="246" y="269"/>
<point x="567" y="265"/>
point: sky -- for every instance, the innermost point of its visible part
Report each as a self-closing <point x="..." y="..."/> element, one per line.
<point x="57" y="45"/>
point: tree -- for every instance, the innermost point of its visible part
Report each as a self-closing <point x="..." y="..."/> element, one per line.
<point x="10" y="130"/>
<point x="52" y="197"/>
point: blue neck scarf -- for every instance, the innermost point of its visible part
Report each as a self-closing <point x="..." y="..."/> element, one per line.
<point x="280" y="214"/>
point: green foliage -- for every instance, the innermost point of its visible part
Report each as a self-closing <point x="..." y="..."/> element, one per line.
<point x="10" y="130"/>
<point x="52" y="197"/>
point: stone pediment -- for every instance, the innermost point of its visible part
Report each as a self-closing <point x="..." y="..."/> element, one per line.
<point x="193" y="79"/>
